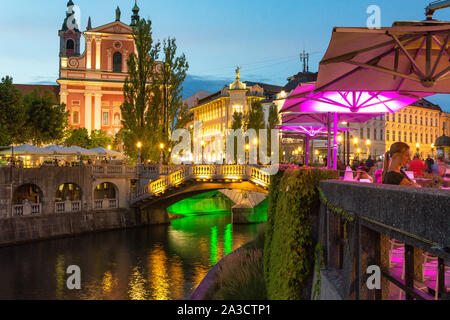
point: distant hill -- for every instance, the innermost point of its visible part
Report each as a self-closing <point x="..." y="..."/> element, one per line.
<point x="193" y="84"/>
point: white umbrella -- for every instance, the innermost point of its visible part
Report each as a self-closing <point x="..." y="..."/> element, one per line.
<point x="80" y="151"/>
<point x="105" y="152"/>
<point x="25" y="149"/>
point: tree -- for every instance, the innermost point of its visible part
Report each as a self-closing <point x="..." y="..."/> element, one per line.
<point x="100" y="138"/>
<point x="140" y="120"/>
<point x="236" y="125"/>
<point x="79" y="138"/>
<point x="167" y="90"/>
<point x="13" y="116"/>
<point x="272" y="123"/>
<point x="255" y="119"/>
<point x="46" y="120"/>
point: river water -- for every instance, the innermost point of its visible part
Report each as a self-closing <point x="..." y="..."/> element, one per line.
<point x="155" y="263"/>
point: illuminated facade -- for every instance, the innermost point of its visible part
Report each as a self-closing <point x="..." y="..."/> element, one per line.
<point x="215" y="111"/>
<point x="91" y="83"/>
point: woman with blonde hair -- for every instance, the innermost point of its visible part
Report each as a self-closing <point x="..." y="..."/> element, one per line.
<point x="395" y="159"/>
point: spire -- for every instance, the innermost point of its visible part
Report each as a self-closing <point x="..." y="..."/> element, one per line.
<point x="118" y="14"/>
<point x="135" y="17"/>
<point x="89" y="26"/>
<point x="70" y="13"/>
<point x="70" y="3"/>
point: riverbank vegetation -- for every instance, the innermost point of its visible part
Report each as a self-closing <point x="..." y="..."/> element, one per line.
<point x="240" y="275"/>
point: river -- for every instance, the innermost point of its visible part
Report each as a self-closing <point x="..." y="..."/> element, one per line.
<point x="153" y="263"/>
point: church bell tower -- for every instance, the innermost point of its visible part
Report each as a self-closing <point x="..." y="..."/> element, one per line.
<point x="70" y="34"/>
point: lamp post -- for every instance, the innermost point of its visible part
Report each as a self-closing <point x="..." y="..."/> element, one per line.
<point x="355" y="144"/>
<point x="368" y="143"/>
<point x="417" y="148"/>
<point x="161" y="147"/>
<point x="139" y="146"/>
<point x="432" y="150"/>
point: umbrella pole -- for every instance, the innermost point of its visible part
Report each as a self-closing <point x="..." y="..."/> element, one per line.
<point x="335" y="141"/>
<point x="329" y="156"/>
<point x="307" y="151"/>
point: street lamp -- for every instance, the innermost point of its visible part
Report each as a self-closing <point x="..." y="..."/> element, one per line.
<point x="339" y="142"/>
<point x="161" y="147"/>
<point x="432" y="150"/>
<point x="139" y="146"/>
<point x="368" y="143"/>
<point x="109" y="147"/>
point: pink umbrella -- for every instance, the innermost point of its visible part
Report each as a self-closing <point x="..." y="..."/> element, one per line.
<point x="359" y="105"/>
<point x="305" y="99"/>
<point x="308" y="130"/>
<point x="407" y="57"/>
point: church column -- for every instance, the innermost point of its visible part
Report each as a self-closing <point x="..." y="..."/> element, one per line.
<point x="98" y="43"/>
<point x="109" y="57"/>
<point x="88" y="112"/>
<point x="98" y="111"/>
<point x="88" y="52"/>
<point x="124" y="61"/>
<point x="63" y="98"/>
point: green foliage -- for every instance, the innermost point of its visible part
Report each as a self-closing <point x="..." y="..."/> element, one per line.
<point x="47" y="120"/>
<point x="13" y="116"/>
<point x="139" y="117"/>
<point x="255" y="117"/>
<point x="152" y="107"/>
<point x="81" y="138"/>
<point x="100" y="138"/>
<point x="289" y="247"/>
<point x="273" y="121"/>
<point x="241" y="277"/>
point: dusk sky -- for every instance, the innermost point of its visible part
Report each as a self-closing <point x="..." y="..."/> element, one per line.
<point x="264" y="37"/>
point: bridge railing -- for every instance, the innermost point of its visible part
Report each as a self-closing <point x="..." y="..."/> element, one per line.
<point x="204" y="172"/>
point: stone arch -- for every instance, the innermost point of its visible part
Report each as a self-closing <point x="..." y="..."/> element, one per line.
<point x="69" y="192"/>
<point x="27" y="193"/>
<point x="105" y="190"/>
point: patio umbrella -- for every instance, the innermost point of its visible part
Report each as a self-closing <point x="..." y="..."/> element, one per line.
<point x="335" y="103"/>
<point x="57" y="150"/>
<point x="24" y="149"/>
<point x="308" y="130"/>
<point x="80" y="151"/>
<point x="105" y="152"/>
<point x="407" y="57"/>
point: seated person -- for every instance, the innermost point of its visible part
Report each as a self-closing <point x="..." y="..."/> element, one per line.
<point x="395" y="159"/>
<point x="363" y="173"/>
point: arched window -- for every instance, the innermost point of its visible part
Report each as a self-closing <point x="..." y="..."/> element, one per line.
<point x="117" y="119"/>
<point x="117" y="62"/>
<point x="70" y="45"/>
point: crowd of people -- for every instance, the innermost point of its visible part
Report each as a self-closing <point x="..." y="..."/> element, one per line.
<point x="397" y="162"/>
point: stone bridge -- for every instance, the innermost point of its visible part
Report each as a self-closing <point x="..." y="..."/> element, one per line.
<point x="191" y="180"/>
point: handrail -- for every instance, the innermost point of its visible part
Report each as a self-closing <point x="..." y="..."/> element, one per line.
<point x="202" y="172"/>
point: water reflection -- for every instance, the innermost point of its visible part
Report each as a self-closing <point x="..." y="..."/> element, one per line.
<point x="160" y="262"/>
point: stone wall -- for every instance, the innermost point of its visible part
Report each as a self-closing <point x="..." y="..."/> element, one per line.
<point x="25" y="229"/>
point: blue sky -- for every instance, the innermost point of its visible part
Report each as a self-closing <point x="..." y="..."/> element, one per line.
<point x="265" y="37"/>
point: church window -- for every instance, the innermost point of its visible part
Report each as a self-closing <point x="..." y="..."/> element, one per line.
<point x="117" y="62"/>
<point x="70" y="45"/>
<point x="75" y="117"/>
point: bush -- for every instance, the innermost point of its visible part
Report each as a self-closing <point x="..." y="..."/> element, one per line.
<point x="241" y="277"/>
<point x="289" y="248"/>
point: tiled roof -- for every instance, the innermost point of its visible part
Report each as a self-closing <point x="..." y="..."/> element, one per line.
<point x="27" y="88"/>
<point x="300" y="77"/>
<point x="423" y="103"/>
<point x="269" y="89"/>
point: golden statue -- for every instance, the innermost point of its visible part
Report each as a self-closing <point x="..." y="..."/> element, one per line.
<point x="238" y="74"/>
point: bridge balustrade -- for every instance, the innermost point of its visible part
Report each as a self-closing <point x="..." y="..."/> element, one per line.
<point x="234" y="171"/>
<point x="67" y="206"/>
<point x="204" y="171"/>
<point x="22" y="210"/>
<point x="105" y="204"/>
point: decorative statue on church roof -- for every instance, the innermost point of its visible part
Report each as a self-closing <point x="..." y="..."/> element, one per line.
<point x="118" y="14"/>
<point x="238" y="72"/>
